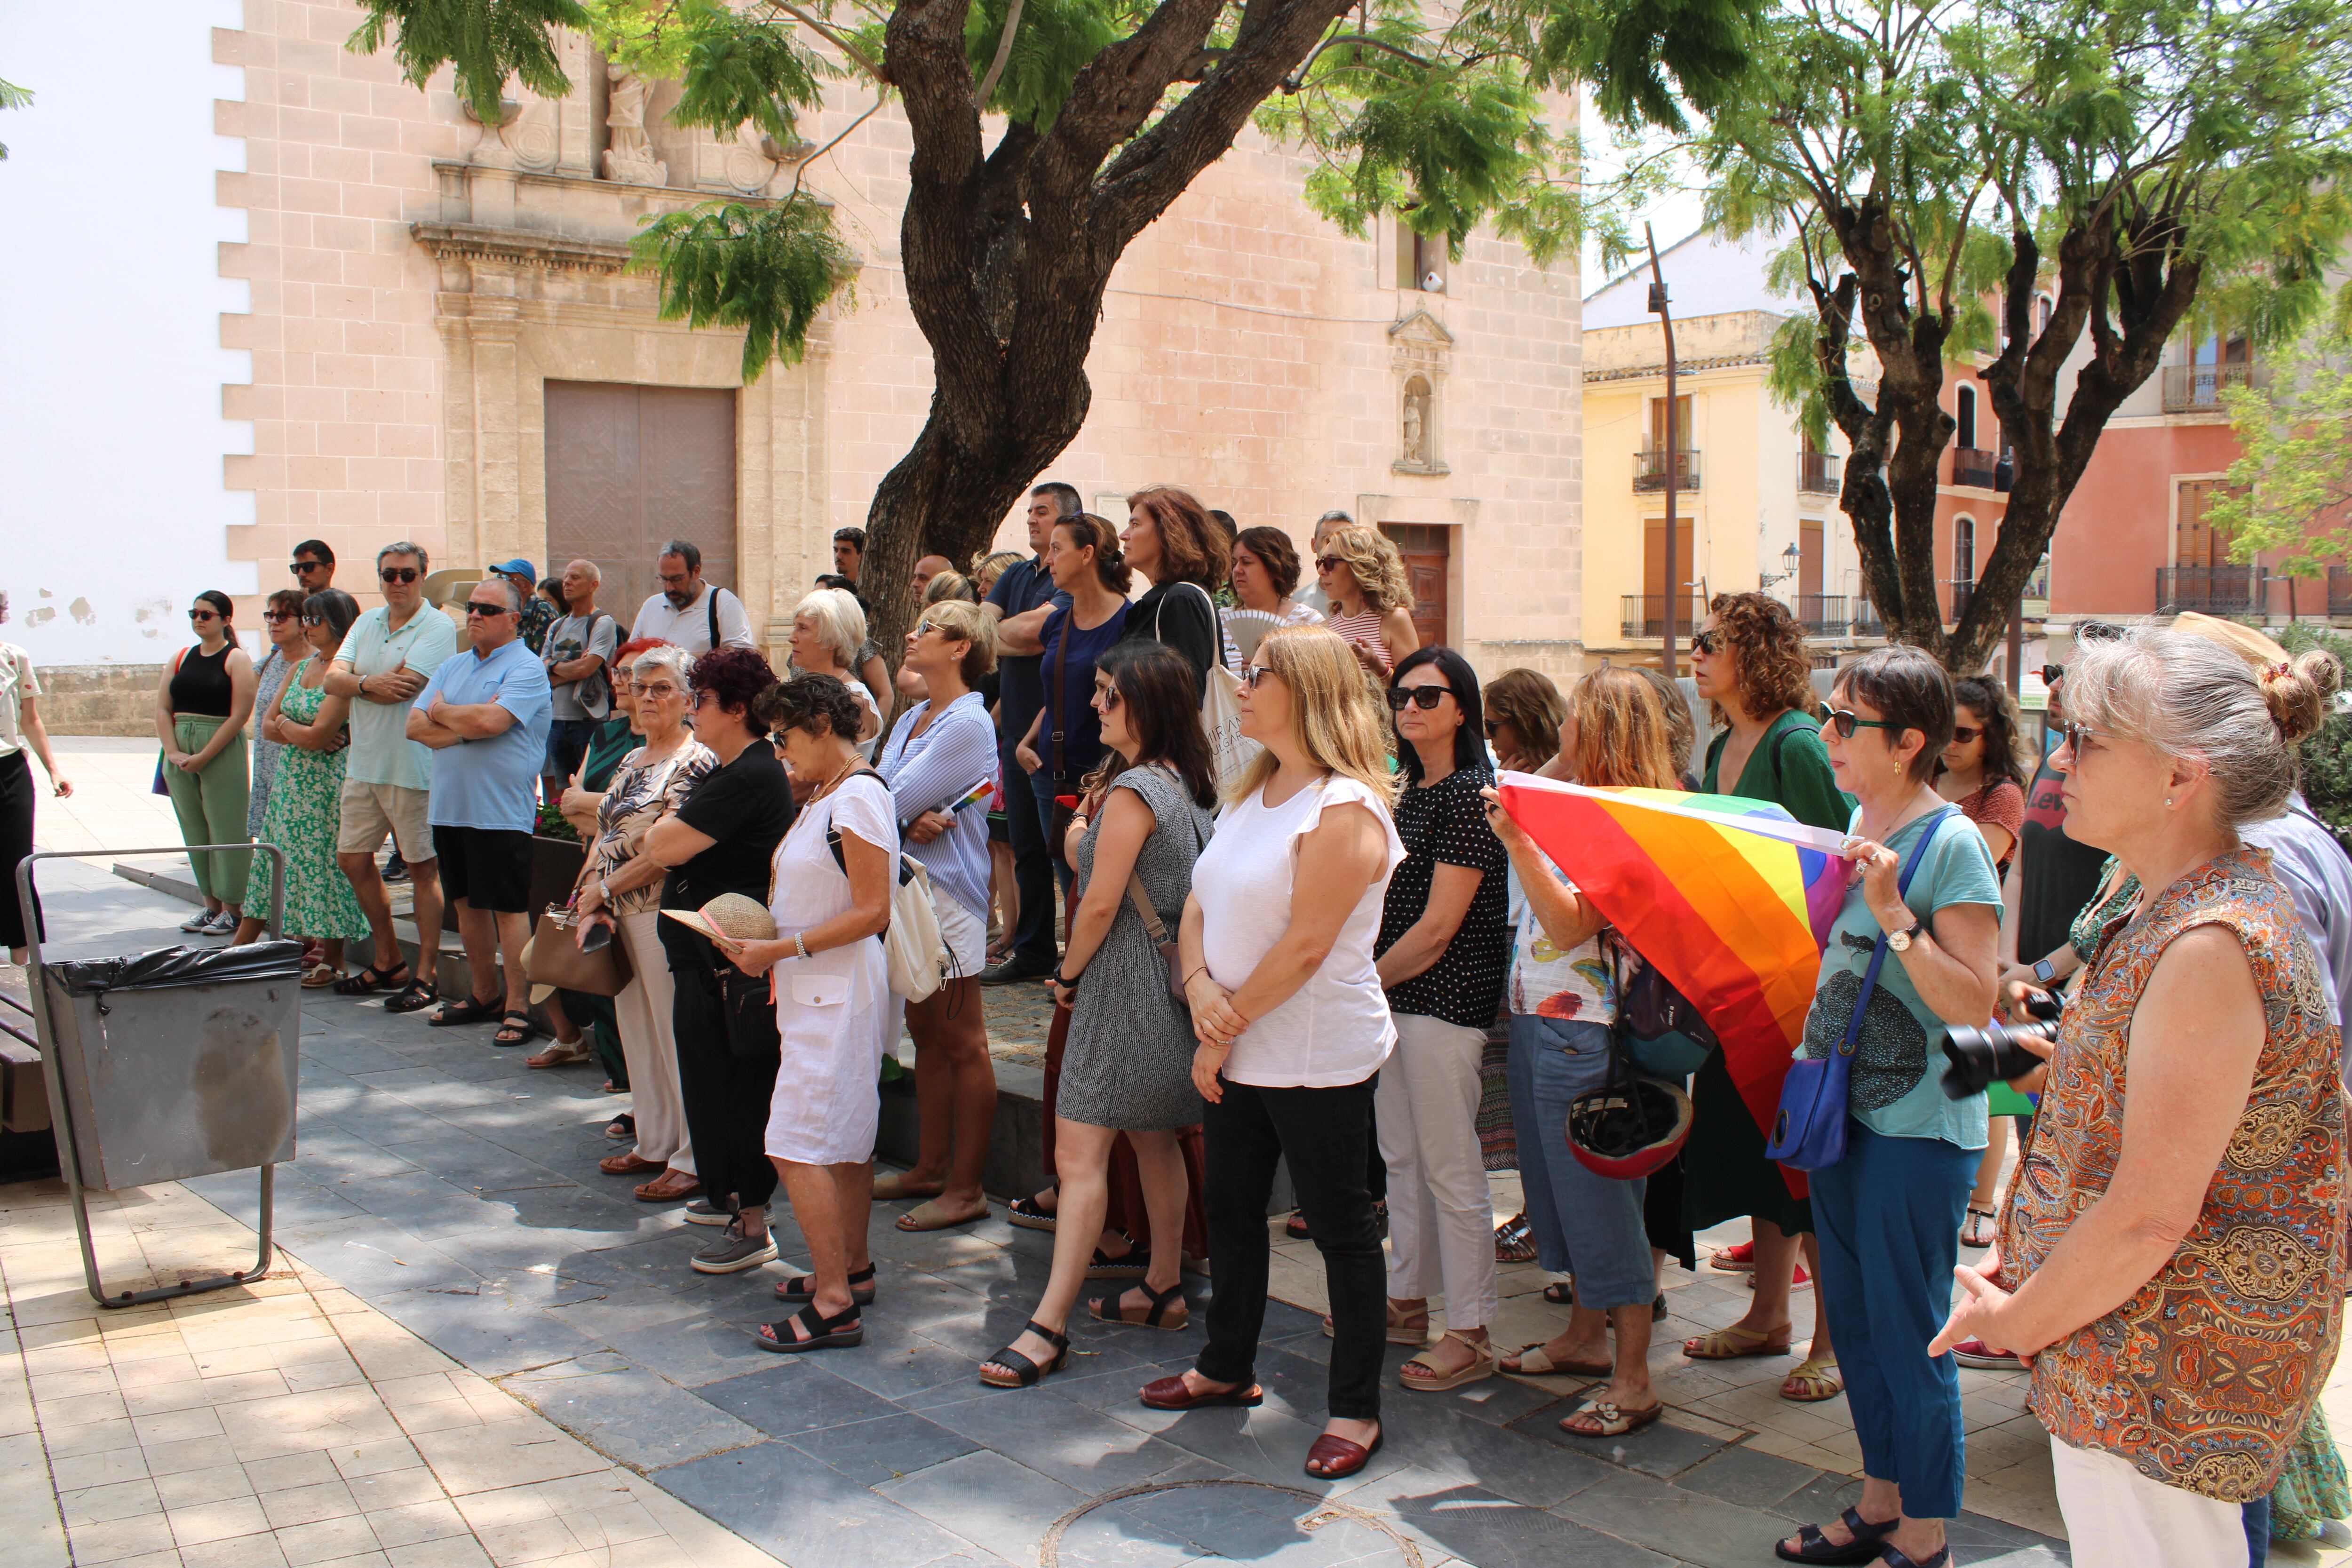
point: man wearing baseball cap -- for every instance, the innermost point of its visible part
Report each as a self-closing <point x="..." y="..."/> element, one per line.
<point x="538" y="615"/>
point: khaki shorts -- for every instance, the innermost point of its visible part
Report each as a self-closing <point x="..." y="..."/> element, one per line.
<point x="372" y="810"/>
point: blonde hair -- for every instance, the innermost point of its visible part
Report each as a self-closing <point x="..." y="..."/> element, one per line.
<point x="840" y="623"/>
<point x="1378" y="569"/>
<point x="986" y="568"/>
<point x="949" y="584"/>
<point x="1333" y="717"/>
<point x="1623" y="736"/>
<point x="966" y="622"/>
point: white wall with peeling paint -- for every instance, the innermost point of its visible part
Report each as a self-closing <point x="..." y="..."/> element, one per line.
<point x="113" y="507"/>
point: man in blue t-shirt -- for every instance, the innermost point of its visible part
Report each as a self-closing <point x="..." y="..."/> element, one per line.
<point x="1019" y="604"/>
<point x="485" y="713"/>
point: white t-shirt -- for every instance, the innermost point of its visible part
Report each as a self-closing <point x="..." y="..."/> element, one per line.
<point x="811" y="888"/>
<point x="1335" y="1030"/>
<point x="17" y="681"/>
<point x="689" y="628"/>
<point x="1572" y="987"/>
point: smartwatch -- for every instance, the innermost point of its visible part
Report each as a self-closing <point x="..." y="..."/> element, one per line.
<point x="2044" y="972"/>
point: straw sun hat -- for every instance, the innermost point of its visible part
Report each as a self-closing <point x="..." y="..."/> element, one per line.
<point x="733" y="916"/>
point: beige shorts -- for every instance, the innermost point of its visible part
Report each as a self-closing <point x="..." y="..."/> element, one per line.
<point x="372" y="810"/>
<point x="965" y="933"/>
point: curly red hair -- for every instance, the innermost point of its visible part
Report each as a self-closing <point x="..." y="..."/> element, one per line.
<point x="1768" y="648"/>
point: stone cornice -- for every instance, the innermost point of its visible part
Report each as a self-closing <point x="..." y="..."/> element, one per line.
<point x="1682" y="367"/>
<point x="517" y="248"/>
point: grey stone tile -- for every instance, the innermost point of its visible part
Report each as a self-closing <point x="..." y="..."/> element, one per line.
<point x="1223" y="1522"/>
<point x="1974" y="1537"/>
<point x="793" y="1396"/>
<point x="1499" y="1400"/>
<point x="2026" y="1557"/>
<point x="1478" y="1527"/>
<point x="1496" y="1459"/>
<point x="370" y="1254"/>
<point x="872" y="1452"/>
<point x="624" y="1411"/>
<point x="989" y="1501"/>
<point x="1660" y="1449"/>
<point x="704" y="1348"/>
<point x="1264" y="1445"/>
<point x="1687" y="1525"/>
<point x="486" y="1333"/>
<point x="1750" y="1478"/>
<point x="1079" y="1447"/>
<point x="909" y="1368"/>
<point x="806" y="1513"/>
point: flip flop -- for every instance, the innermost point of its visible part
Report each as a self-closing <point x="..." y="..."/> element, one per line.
<point x="1534" y="1363"/>
<point x="1611" y="1420"/>
<point x="928" y="1216"/>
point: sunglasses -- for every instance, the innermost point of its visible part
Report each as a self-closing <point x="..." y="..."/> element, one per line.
<point x="299" y="567"/>
<point x="1105" y="699"/>
<point x="1709" y="642"/>
<point x="1963" y="734"/>
<point x="1421" y="697"/>
<point x="2052" y="674"/>
<point x="2078" y="733"/>
<point x="1847" y="721"/>
<point x="1254" y="675"/>
<point x="1329" y="563"/>
<point x="314" y="620"/>
<point x="475" y="609"/>
<point x="203" y="616"/>
<point x="400" y="575"/>
<point x="274" y="616"/>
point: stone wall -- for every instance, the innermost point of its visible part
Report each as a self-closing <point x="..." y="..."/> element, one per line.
<point x="99" y="698"/>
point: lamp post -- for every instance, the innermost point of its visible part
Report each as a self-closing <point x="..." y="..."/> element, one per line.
<point x="1789" y="559"/>
<point x="1674" y="442"/>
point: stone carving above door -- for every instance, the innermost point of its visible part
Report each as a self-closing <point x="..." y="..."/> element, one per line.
<point x="629" y="152"/>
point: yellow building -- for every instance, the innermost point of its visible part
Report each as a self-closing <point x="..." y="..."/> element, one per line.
<point x="1755" y="506"/>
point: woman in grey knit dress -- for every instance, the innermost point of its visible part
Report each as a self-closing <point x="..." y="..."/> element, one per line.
<point x="1127" y="1067"/>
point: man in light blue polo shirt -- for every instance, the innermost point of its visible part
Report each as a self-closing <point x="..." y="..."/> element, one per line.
<point x="485" y="715"/>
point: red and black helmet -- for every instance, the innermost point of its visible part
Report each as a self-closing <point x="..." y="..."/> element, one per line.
<point x="1629" y="1128"/>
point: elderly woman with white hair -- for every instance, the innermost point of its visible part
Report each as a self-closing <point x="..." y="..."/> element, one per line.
<point x="829" y="631"/>
<point x="620" y="884"/>
<point x="2173" y="1254"/>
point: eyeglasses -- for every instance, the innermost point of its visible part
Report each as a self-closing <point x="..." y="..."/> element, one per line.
<point x="1255" y="674"/>
<point x="660" y="690"/>
<point x="1709" y="642"/>
<point x="400" y="573"/>
<point x="203" y="616"/>
<point x="1421" y="697"/>
<point x="1329" y="563"/>
<point x="1963" y="734"/>
<point x="299" y="567"/>
<point x="2052" y="674"/>
<point x="274" y="616"/>
<point x="477" y="609"/>
<point x="2078" y="733"/>
<point x="1847" y="721"/>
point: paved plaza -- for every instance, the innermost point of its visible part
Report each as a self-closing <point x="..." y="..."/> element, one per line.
<point x="480" y="1350"/>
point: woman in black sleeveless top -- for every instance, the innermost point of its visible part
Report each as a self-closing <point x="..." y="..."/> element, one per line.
<point x="201" y="707"/>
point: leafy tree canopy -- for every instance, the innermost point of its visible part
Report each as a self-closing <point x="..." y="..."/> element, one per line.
<point x="2291" y="489"/>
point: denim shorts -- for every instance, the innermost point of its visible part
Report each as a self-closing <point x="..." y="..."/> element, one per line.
<point x="1586" y="1225"/>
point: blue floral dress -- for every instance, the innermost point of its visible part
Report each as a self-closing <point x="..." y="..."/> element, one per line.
<point x="305" y="803"/>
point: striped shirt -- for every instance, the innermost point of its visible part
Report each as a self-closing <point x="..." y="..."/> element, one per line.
<point x="932" y="772"/>
<point x="1363" y="629"/>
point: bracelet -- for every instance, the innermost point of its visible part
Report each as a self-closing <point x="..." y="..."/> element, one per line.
<point x="1067" y="984"/>
<point x="1196" y="974"/>
<point x="799" y="947"/>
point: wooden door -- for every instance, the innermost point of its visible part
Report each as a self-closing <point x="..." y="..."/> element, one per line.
<point x="1808" y="559"/>
<point x="1657" y="581"/>
<point x="1427" y="550"/>
<point x="2196" y="542"/>
<point x="631" y="467"/>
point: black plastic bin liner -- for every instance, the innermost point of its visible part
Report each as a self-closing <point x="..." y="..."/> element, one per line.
<point x="172" y="967"/>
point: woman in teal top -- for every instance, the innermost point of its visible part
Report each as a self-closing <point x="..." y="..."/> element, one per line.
<point x="1888" y="1213"/>
<point x="1748" y="661"/>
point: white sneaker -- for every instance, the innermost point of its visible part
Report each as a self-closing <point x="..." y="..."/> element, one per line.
<point x="221" y="924"/>
<point x="198" y="924"/>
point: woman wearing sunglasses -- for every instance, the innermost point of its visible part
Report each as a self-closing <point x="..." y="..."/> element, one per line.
<point x="202" y="704"/>
<point x="1923" y="908"/>
<point x="1749" y="664"/>
<point x="1361" y="573"/>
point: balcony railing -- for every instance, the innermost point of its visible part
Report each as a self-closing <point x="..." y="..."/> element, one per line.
<point x="1865" y="622"/>
<point x="1961" y="593"/>
<point x="1644" y="615"/>
<point x="2215" y="590"/>
<point x="1650" y="471"/>
<point x="1817" y="474"/>
<point x="2188" y="389"/>
<point x="1821" y="614"/>
<point x="1971" y="466"/>
<point x="2339" y="591"/>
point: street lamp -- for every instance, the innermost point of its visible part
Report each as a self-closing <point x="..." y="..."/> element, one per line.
<point x="1790" y="559"/>
<point x="1674" y="444"/>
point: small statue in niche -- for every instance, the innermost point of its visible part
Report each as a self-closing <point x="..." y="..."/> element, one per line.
<point x="629" y="153"/>
<point x="1416" y="424"/>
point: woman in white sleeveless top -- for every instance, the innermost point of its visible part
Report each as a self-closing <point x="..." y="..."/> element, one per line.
<point x="1292" y="1025"/>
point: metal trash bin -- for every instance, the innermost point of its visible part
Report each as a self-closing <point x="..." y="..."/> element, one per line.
<point x="177" y="1062"/>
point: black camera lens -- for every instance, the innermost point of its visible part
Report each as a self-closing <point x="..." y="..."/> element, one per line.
<point x="1981" y="1057"/>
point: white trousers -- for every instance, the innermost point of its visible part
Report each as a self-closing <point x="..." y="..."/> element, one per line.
<point x="649" y="1045"/>
<point x="1440" y="1220"/>
<point x="2117" y="1518"/>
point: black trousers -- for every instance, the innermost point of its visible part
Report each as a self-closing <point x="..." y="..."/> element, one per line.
<point x="1325" y="1133"/>
<point x="1033" y="946"/>
<point x="15" y="843"/>
<point x="726" y="1092"/>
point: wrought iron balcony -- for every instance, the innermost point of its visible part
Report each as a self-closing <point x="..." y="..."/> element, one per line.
<point x="1971" y="466"/>
<point x="1867" y="623"/>
<point x="2194" y="388"/>
<point x="1817" y="474"/>
<point x="1821" y="614"/>
<point x="1650" y="471"/>
<point x="2216" y="589"/>
<point x="1644" y="615"/>
<point x="2339" y="591"/>
<point x="1961" y="593"/>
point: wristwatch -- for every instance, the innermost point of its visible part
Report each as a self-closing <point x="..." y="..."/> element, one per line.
<point x="1901" y="941"/>
<point x="2045" y="972"/>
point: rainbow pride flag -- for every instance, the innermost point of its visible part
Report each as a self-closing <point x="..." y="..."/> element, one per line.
<point x="1732" y="899"/>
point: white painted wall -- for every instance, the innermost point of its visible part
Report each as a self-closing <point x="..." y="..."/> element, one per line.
<point x="112" y="441"/>
<point x="1705" y="276"/>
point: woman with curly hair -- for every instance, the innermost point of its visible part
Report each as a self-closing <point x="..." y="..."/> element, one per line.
<point x="1524" y="713"/>
<point x="1371" y="598"/>
<point x="1749" y="662"/>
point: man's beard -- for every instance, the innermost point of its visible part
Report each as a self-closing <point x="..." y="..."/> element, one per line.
<point x="678" y="601"/>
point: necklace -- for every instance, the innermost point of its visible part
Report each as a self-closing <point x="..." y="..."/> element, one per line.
<point x="826" y="788"/>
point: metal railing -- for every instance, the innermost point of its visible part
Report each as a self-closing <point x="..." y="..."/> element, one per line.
<point x="1865" y="622"/>
<point x="1644" y="615"/>
<point x="2215" y="590"/>
<point x="1821" y="614"/>
<point x="1817" y="473"/>
<point x="2339" y="591"/>
<point x="1972" y="466"/>
<point x="1961" y="593"/>
<point x="2191" y="387"/>
<point x="1650" y="471"/>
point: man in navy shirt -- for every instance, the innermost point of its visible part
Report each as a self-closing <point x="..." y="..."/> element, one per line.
<point x="1018" y="604"/>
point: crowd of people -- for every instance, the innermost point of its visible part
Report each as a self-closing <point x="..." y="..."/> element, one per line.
<point x="1345" y="957"/>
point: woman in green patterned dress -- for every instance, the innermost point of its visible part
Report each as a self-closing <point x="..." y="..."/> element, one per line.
<point x="304" y="798"/>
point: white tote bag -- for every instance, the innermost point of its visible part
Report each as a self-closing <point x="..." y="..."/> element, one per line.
<point x="1221" y="712"/>
<point x="918" y="953"/>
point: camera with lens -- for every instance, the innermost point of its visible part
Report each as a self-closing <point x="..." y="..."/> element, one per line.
<point x="1981" y="1056"/>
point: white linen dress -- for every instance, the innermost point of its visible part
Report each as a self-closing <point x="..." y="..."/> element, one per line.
<point x="834" y="1011"/>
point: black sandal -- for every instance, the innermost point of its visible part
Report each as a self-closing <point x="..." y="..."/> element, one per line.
<point x="1025" y="1372"/>
<point x="518" y="1024"/>
<point x="822" y="1333"/>
<point x="802" y="1287"/>
<point x="472" y="1010"/>
<point x="414" y="997"/>
<point x="1160" y="1301"/>
<point x="1560" y="1293"/>
<point x="1025" y="1212"/>
<point x="371" y="980"/>
<point x="1126" y="1266"/>
<point x="1813" y="1547"/>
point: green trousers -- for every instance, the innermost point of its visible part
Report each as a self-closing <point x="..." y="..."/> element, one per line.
<point x="211" y="804"/>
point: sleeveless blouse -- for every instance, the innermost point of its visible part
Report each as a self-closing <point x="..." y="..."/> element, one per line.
<point x="2204" y="1377"/>
<point x="1363" y="629"/>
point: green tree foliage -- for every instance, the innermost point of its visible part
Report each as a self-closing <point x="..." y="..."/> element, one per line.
<point x="12" y="97"/>
<point x="1939" y="167"/>
<point x="2291" y="489"/>
<point x="2327" y="753"/>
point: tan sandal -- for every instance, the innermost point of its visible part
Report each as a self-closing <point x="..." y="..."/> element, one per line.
<point x="1731" y="1343"/>
<point x="1433" y="1381"/>
<point x="1536" y="1362"/>
<point x="1608" y="1420"/>
<point x="1401" y="1328"/>
<point x="929" y="1215"/>
<point x="1817" y="1376"/>
<point x="891" y="1186"/>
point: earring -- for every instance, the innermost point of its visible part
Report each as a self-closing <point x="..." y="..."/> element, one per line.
<point x="2167" y="803"/>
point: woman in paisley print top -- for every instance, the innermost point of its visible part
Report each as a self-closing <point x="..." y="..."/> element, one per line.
<point x="2173" y="1254"/>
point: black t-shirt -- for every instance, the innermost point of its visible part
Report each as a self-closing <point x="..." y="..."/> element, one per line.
<point x="1446" y="822"/>
<point x="1022" y="587"/>
<point x="1180" y="616"/>
<point x="2055" y="874"/>
<point x="744" y="809"/>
